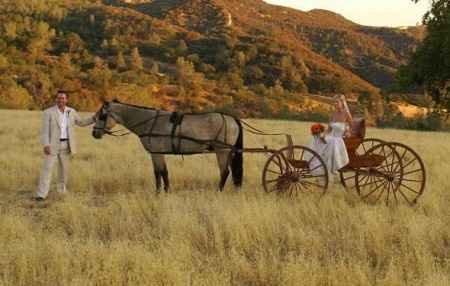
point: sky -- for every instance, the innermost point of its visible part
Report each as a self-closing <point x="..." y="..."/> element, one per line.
<point x="391" y="13"/>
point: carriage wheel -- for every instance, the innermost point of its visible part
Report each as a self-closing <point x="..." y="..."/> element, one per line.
<point x="411" y="184"/>
<point x="348" y="176"/>
<point x="380" y="180"/>
<point x="302" y="171"/>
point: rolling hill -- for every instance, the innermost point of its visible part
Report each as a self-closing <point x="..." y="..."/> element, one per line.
<point x="244" y="56"/>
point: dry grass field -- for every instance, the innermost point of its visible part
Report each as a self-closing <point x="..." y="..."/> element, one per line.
<point x="112" y="229"/>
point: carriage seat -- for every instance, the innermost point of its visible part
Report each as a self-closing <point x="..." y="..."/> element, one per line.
<point x="357" y="134"/>
<point x="358" y="128"/>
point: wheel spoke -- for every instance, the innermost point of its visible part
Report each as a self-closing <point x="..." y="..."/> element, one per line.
<point x="297" y="188"/>
<point x="404" y="196"/>
<point x="409" y="163"/>
<point x="382" y="192"/>
<point x="362" y="178"/>
<point x="313" y="184"/>
<point x="373" y="191"/>
<point x="410" y="172"/>
<point x="393" y="163"/>
<point x="394" y="192"/>
<point x="409" y="189"/>
<point x="349" y="178"/>
<point x="368" y="178"/>
<point x="371" y="182"/>
<point x="278" y="163"/>
<point x="274" y="188"/>
<point x="272" y="171"/>
<point x="305" y="186"/>
<point x="312" y="176"/>
<point x="414" y="181"/>
<point x="401" y="158"/>
<point x="315" y="168"/>
<point x="388" y="192"/>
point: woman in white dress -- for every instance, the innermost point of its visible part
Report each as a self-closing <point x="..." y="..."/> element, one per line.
<point x="332" y="149"/>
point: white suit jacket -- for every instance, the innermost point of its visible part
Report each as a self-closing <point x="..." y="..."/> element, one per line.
<point x="51" y="131"/>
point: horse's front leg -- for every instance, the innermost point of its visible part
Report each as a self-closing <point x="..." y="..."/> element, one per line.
<point x="157" y="180"/>
<point x="157" y="171"/>
<point x="160" y="169"/>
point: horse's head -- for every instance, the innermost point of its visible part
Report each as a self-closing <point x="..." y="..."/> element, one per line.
<point x="104" y="122"/>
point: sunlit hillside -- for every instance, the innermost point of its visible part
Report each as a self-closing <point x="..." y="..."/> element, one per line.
<point x="112" y="229"/>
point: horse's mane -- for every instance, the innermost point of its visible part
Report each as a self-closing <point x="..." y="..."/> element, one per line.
<point x="133" y="105"/>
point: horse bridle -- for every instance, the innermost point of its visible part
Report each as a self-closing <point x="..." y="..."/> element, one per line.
<point x="103" y="117"/>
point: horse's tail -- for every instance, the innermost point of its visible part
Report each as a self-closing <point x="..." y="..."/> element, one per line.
<point x="237" y="163"/>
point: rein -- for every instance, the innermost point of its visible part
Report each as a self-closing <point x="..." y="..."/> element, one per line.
<point x="256" y="131"/>
<point x="247" y="127"/>
<point x="114" y="132"/>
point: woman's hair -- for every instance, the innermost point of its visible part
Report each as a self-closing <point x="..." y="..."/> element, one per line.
<point x="343" y="100"/>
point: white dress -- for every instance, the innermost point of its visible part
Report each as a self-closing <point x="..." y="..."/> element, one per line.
<point x="333" y="152"/>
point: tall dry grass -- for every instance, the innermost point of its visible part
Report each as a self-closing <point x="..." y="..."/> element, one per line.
<point x="113" y="230"/>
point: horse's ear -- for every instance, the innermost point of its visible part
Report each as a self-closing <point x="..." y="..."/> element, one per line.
<point x="116" y="100"/>
<point x="103" y="99"/>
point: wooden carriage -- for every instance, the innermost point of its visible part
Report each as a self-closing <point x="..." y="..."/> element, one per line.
<point x="379" y="171"/>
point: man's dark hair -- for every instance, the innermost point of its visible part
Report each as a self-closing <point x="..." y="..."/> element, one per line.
<point x="60" y="91"/>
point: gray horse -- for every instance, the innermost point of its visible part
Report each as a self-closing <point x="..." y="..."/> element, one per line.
<point x="164" y="132"/>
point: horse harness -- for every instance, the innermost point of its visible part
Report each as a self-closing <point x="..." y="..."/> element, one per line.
<point x="176" y="120"/>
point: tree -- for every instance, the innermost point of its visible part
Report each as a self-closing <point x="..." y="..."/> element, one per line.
<point x="65" y="64"/>
<point x="100" y="76"/>
<point x="75" y="43"/>
<point x="155" y="39"/>
<point x="136" y="60"/>
<point x="39" y="41"/>
<point x="10" y="30"/>
<point x="120" y="61"/>
<point x="13" y="95"/>
<point x="429" y="66"/>
<point x="181" y="48"/>
<point x="186" y="74"/>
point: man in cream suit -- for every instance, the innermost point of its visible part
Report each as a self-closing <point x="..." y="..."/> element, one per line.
<point x="59" y="141"/>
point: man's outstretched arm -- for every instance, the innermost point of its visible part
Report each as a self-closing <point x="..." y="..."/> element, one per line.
<point x="83" y="121"/>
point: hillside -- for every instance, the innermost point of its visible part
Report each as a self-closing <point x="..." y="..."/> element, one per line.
<point x="245" y="56"/>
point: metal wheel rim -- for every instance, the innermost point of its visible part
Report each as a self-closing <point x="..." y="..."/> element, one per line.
<point x="381" y="187"/>
<point x="411" y="188"/>
<point x="304" y="176"/>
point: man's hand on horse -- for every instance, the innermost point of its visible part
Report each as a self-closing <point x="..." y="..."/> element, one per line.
<point x="47" y="150"/>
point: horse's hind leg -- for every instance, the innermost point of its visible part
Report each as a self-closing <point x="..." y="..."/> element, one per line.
<point x="165" y="176"/>
<point x="223" y="157"/>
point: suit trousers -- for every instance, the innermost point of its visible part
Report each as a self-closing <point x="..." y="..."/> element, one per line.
<point x="62" y="160"/>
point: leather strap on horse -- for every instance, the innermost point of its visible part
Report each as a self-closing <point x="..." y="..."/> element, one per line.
<point x="152" y="127"/>
<point x="176" y="119"/>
